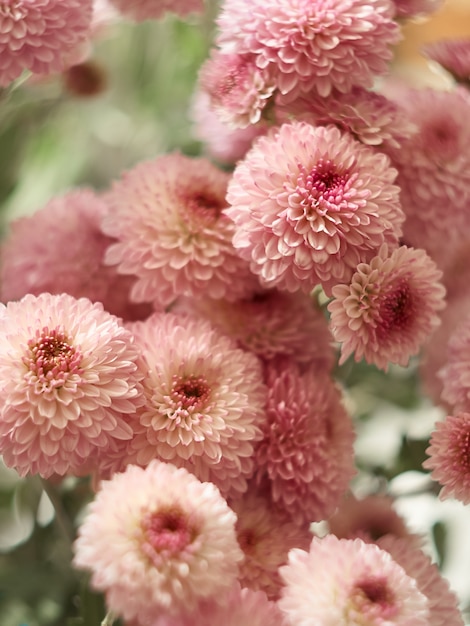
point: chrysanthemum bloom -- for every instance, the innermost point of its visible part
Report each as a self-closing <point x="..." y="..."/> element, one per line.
<point x="453" y="55"/>
<point x="415" y="8"/>
<point x="238" y="90"/>
<point x="349" y="583"/>
<point x="449" y="456"/>
<point x="389" y="308"/>
<point x="434" y="167"/>
<point x="158" y="541"/>
<point x="205" y="401"/>
<point x="455" y="374"/>
<point x="312" y="45"/>
<point x="44" y="252"/>
<point x="273" y="324"/>
<point x="69" y="380"/>
<point x="306" y="455"/>
<point x="37" y="35"/>
<point x="140" y="10"/>
<point x="367" y="518"/>
<point x="369" y="116"/>
<point x="265" y="536"/>
<point x="311" y="203"/>
<point x="442" y="602"/>
<point x="167" y="215"/>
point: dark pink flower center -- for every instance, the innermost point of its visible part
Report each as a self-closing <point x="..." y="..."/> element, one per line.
<point x="461" y="452"/>
<point x="396" y="309"/>
<point x="168" y="532"/>
<point x="190" y="393"/>
<point x="51" y="357"/>
<point x="247" y="540"/>
<point x="201" y="208"/>
<point x="323" y="188"/>
<point x="373" y="597"/>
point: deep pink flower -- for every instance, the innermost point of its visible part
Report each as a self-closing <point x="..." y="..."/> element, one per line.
<point x="453" y="55"/>
<point x="44" y="252"/>
<point x="352" y="583"/>
<point x="157" y="542"/>
<point x="38" y="35"/>
<point x="140" y="10"/>
<point x="168" y="217"/>
<point x="69" y="381"/>
<point x="311" y="203"/>
<point x="306" y="455"/>
<point x="454" y="374"/>
<point x="389" y="309"/>
<point x="311" y="45"/>
<point x="205" y="401"/>
<point x="449" y="456"/>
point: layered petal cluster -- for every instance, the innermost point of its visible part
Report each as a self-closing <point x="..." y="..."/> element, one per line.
<point x="311" y="203"/>
<point x="306" y="455"/>
<point x="44" y="252"/>
<point x="306" y="45"/>
<point x="389" y="308"/>
<point x="453" y="55"/>
<point x="38" y="35"/>
<point x="455" y="374"/>
<point x="449" y="456"/>
<point x="168" y="217"/>
<point x="350" y="583"/>
<point x="157" y="541"/>
<point x="140" y="10"/>
<point x="205" y="401"/>
<point x="69" y="381"/>
<point x="273" y="324"/>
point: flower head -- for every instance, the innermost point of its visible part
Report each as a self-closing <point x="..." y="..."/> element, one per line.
<point x="415" y="8"/>
<point x="168" y="217"/>
<point x="38" y="35"/>
<point x="454" y="374"/>
<point x="158" y="541"/>
<point x="140" y="10"/>
<point x="390" y="307"/>
<point x="349" y="583"/>
<point x="310" y="203"/>
<point x="453" y="55"/>
<point x="69" y="380"/>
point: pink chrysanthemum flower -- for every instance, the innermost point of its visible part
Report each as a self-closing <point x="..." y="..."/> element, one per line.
<point x="167" y="215"/>
<point x="306" y="455"/>
<point x="350" y="583"/>
<point x="312" y="45"/>
<point x="265" y="536"/>
<point x="449" y="453"/>
<point x="369" y="116"/>
<point x="415" y="8"/>
<point x="140" y="10"/>
<point x="238" y="90"/>
<point x="158" y="541"/>
<point x="442" y="602"/>
<point x="311" y="203"/>
<point x="455" y="374"/>
<point x="44" y="252"/>
<point x="38" y="35"/>
<point x="69" y="380"/>
<point x="205" y="401"/>
<point x="389" y="309"/>
<point x="453" y="55"/>
<point x="273" y="324"/>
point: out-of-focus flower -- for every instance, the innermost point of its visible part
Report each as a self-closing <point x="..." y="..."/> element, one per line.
<point x="158" y="541"/>
<point x="44" y="252"/>
<point x="311" y="203"/>
<point x="140" y="10"/>
<point x="38" y="35"/>
<point x="453" y="55"/>
<point x="415" y="8"/>
<point x="455" y="373"/>
<point x="168" y="217"/>
<point x="306" y="456"/>
<point x="205" y="401"/>
<point x="309" y="45"/>
<point x="69" y="380"/>
<point x="390" y="307"/>
<point x="352" y="583"/>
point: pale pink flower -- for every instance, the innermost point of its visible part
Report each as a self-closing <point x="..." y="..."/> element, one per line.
<point x="389" y="308"/>
<point x="455" y="373"/>
<point x="205" y="401"/>
<point x="140" y="10"/>
<point x="311" y="45"/>
<point x="44" y="252"/>
<point x="265" y="535"/>
<point x="238" y="90"/>
<point x="415" y="8"/>
<point x="69" y="382"/>
<point x="157" y="541"/>
<point x="168" y="217"/>
<point x="345" y="582"/>
<point x="442" y="602"/>
<point x="38" y="35"/>
<point x="311" y="203"/>
<point x="273" y="324"/>
<point x="306" y="456"/>
<point x="453" y="55"/>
